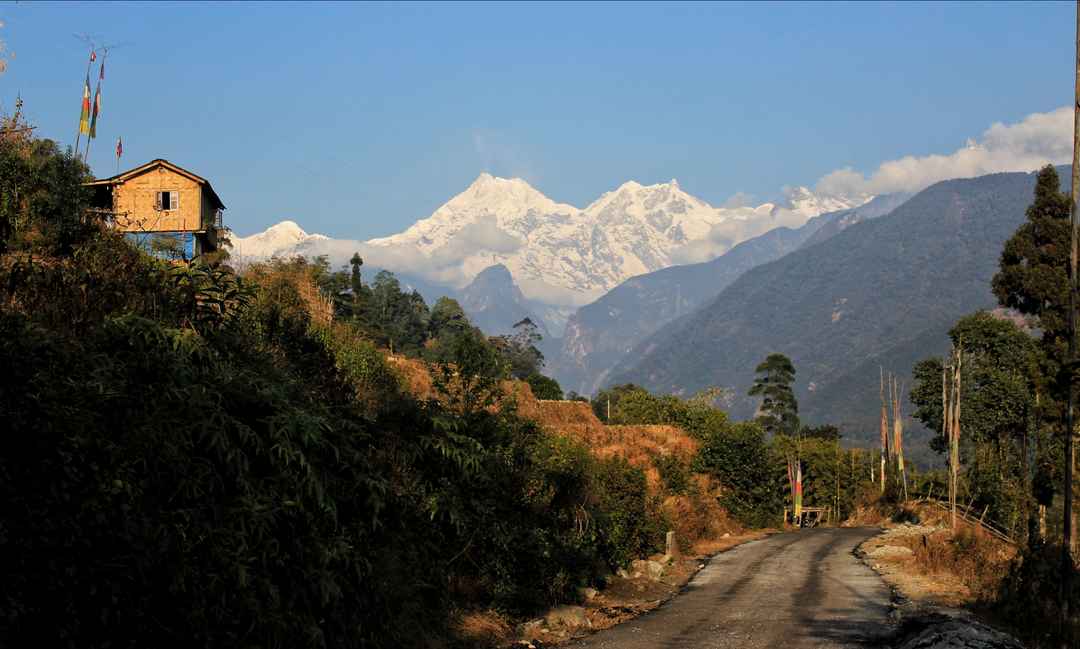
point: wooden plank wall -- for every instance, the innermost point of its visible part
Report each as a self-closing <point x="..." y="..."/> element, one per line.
<point x="136" y="198"/>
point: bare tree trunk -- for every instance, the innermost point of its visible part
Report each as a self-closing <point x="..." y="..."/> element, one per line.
<point x="898" y="433"/>
<point x="884" y="428"/>
<point x="954" y="433"/>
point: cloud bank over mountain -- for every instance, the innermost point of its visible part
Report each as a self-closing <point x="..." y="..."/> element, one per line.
<point x="1037" y="139"/>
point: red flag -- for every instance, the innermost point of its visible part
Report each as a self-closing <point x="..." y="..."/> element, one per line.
<point x="93" y="56"/>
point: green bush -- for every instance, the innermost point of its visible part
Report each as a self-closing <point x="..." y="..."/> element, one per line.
<point x="630" y="524"/>
<point x="674" y="473"/>
<point x="42" y="197"/>
<point x="544" y="387"/>
<point x="166" y="486"/>
<point x="739" y="456"/>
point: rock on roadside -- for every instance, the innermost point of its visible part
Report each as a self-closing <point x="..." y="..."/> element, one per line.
<point x="960" y="634"/>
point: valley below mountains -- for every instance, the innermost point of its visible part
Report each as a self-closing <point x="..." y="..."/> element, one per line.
<point x="882" y="293"/>
<point x="843" y="292"/>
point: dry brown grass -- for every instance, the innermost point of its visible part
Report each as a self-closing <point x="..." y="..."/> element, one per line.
<point x="698" y="519"/>
<point x="566" y="413"/>
<point x="415" y="375"/>
<point x="638" y="445"/>
<point x="319" y="307"/>
<point x="978" y="560"/>
<point x="483" y="629"/>
<point x="942" y="568"/>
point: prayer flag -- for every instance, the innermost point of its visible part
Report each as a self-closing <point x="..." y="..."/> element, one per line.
<point x="84" y="117"/>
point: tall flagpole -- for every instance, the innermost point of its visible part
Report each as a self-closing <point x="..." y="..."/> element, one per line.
<point x="94" y="109"/>
<point x="78" y="133"/>
<point x="1067" y="531"/>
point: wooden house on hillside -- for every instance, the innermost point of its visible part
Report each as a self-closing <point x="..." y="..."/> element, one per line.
<point x="163" y="208"/>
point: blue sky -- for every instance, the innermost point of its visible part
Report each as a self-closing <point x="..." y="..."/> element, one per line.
<point x="357" y="119"/>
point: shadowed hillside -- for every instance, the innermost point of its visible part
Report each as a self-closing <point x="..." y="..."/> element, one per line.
<point x="601" y="334"/>
<point x="880" y="292"/>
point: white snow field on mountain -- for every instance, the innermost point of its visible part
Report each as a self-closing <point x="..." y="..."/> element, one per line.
<point x="558" y="254"/>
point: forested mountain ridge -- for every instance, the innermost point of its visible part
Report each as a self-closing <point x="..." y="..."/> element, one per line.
<point x="886" y="289"/>
<point x="599" y="335"/>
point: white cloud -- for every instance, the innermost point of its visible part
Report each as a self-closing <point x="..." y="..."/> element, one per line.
<point x="444" y="265"/>
<point x="742" y="224"/>
<point x="480" y="235"/>
<point x="537" y="289"/>
<point x="1026" y="145"/>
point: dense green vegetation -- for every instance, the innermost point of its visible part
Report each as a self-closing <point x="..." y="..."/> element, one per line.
<point x="745" y="458"/>
<point x="1011" y="421"/>
<point x="195" y="458"/>
<point x="881" y="293"/>
<point x="1003" y="433"/>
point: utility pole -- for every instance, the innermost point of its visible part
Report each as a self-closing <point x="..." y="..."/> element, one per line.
<point x="1066" y="546"/>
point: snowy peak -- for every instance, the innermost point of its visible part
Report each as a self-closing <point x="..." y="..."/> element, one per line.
<point x="277" y="240"/>
<point x="509" y="204"/>
<point x="804" y="201"/>
<point x="490" y="193"/>
<point x="557" y="253"/>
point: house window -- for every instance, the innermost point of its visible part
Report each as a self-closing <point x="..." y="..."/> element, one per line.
<point x="167" y="201"/>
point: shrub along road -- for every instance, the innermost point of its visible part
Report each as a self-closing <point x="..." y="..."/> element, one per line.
<point x="801" y="589"/>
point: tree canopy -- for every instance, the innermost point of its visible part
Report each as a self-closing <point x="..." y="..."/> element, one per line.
<point x="779" y="410"/>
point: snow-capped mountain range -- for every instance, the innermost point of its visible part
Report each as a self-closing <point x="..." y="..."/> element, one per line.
<point x="557" y="253"/>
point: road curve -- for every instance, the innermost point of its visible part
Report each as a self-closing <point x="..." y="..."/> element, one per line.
<point x="800" y="589"/>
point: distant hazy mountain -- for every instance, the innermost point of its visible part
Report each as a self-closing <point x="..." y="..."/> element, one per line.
<point x="883" y="291"/>
<point x="600" y="334"/>
<point x="495" y="304"/>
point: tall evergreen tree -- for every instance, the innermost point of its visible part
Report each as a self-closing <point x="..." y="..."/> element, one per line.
<point x="355" y="280"/>
<point x="779" y="411"/>
<point x="1033" y="276"/>
<point x="1033" y="279"/>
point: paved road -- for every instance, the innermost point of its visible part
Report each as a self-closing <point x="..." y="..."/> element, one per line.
<point x="801" y="589"/>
